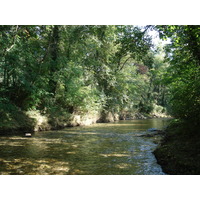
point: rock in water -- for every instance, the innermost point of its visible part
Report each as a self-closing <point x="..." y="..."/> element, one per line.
<point x="28" y="135"/>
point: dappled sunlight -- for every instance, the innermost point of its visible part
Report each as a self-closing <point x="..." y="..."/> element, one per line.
<point x="99" y="149"/>
<point x="27" y="166"/>
<point x="123" y="165"/>
<point x="54" y="133"/>
<point x="46" y="141"/>
<point x="120" y="125"/>
<point x="73" y="152"/>
<point x="75" y="172"/>
<point x="114" y="155"/>
<point x="83" y="133"/>
<point x="74" y="145"/>
<point x="61" y="76"/>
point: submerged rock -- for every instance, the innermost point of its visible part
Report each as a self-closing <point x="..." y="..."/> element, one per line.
<point x="152" y="129"/>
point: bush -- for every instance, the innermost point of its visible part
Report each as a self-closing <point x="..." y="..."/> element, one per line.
<point x="12" y="119"/>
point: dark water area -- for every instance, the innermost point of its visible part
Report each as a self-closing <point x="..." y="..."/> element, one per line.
<point x="99" y="149"/>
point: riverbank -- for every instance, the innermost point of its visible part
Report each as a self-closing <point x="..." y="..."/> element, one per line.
<point x="17" y="121"/>
<point x="179" y="151"/>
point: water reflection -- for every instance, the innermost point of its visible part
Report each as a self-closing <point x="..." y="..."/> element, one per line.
<point x="111" y="148"/>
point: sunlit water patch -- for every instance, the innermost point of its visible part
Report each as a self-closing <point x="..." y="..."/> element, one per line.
<point x="111" y="148"/>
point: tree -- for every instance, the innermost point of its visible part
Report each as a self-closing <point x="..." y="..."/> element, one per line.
<point x="183" y="73"/>
<point x="75" y="69"/>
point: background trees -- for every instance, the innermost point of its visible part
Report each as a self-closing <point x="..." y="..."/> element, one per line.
<point x="77" y="68"/>
<point x="182" y="76"/>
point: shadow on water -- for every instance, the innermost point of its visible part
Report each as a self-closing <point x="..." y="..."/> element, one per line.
<point x="110" y="148"/>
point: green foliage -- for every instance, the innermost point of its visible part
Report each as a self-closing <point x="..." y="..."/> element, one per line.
<point x="182" y="77"/>
<point x="9" y="118"/>
<point x="76" y="69"/>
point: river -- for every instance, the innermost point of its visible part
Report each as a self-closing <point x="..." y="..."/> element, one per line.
<point x="99" y="149"/>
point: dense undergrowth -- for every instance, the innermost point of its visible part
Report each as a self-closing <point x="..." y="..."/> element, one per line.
<point x="179" y="151"/>
<point x="13" y="120"/>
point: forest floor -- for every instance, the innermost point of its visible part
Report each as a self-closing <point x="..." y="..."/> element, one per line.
<point x="179" y="150"/>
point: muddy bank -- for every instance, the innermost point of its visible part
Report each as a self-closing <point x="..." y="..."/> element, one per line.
<point x="179" y="151"/>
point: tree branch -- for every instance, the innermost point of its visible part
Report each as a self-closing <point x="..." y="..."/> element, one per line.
<point x="14" y="40"/>
<point x="124" y="63"/>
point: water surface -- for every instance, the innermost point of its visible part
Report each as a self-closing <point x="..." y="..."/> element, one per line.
<point x="99" y="149"/>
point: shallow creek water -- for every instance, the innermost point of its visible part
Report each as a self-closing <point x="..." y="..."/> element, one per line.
<point x="99" y="149"/>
